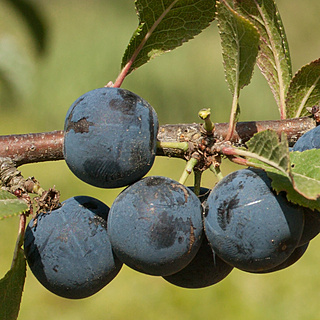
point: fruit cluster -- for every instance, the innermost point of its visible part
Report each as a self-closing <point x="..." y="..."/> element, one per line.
<point x="157" y="225"/>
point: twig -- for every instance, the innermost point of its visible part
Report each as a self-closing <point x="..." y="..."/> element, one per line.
<point x="48" y="146"/>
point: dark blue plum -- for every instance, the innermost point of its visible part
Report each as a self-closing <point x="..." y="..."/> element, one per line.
<point x="155" y="226"/>
<point x="206" y="268"/>
<point x="248" y="225"/>
<point x="68" y="250"/>
<point x="203" y="195"/>
<point x="110" y="137"/>
<point x="310" y="140"/>
<point x="311" y="226"/>
<point x="292" y="259"/>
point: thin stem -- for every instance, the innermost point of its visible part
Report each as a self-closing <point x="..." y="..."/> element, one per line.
<point x="216" y="171"/>
<point x="248" y="154"/>
<point x="187" y="170"/>
<point x="204" y="114"/>
<point x="19" y="242"/>
<point x="233" y="116"/>
<point x="197" y="181"/>
<point x="173" y="145"/>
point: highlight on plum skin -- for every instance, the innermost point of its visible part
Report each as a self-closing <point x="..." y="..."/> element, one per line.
<point x="248" y="225"/>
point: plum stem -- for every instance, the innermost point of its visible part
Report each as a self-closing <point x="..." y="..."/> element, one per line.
<point x="19" y="242"/>
<point x="187" y="170"/>
<point x="173" y="145"/>
<point x="216" y="171"/>
<point x="197" y="181"/>
<point x="204" y="114"/>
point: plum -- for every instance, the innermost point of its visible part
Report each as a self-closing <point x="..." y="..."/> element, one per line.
<point x="68" y="250"/>
<point x="155" y="225"/>
<point x="248" y="225"/>
<point x="110" y="137"/>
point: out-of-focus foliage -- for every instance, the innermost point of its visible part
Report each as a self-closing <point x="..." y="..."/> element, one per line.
<point x="15" y="64"/>
<point x="87" y="41"/>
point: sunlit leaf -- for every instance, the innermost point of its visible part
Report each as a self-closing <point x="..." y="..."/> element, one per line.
<point x="165" y="25"/>
<point x="10" y="204"/>
<point x="304" y="90"/>
<point x="274" y="58"/>
<point x="296" y="173"/>
<point x="306" y="174"/>
<point x="240" y="44"/>
<point x="271" y="150"/>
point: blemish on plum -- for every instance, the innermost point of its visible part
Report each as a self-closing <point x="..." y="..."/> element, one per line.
<point x="229" y="178"/>
<point x="80" y="126"/>
<point x="225" y="212"/>
<point x="154" y="181"/>
<point x="98" y="221"/>
<point x="127" y="105"/>
<point x="163" y="233"/>
<point x="192" y="237"/>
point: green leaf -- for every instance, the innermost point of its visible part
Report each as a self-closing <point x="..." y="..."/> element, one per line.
<point x="271" y="151"/>
<point x="10" y="205"/>
<point x="296" y="173"/>
<point x="306" y="176"/>
<point x="240" y="44"/>
<point x="304" y="90"/>
<point x="165" y="25"/>
<point x="274" y="58"/>
<point x="34" y="20"/>
<point x="11" y="288"/>
<point x="305" y="168"/>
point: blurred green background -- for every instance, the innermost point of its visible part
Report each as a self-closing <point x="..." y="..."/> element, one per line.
<point x="86" y="40"/>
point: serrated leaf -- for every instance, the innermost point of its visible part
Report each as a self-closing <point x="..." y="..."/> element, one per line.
<point x="10" y="205"/>
<point x="271" y="152"/>
<point x="34" y="20"/>
<point x="305" y="168"/>
<point x="11" y="288"/>
<point x="296" y="173"/>
<point x="240" y="44"/>
<point x="274" y="58"/>
<point x="165" y="25"/>
<point x="304" y="90"/>
<point x="306" y="175"/>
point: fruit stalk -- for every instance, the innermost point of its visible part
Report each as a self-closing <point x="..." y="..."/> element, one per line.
<point x="19" y="242"/>
<point x="48" y="146"/>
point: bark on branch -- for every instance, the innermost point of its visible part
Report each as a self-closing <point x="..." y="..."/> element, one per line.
<point x="48" y="146"/>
